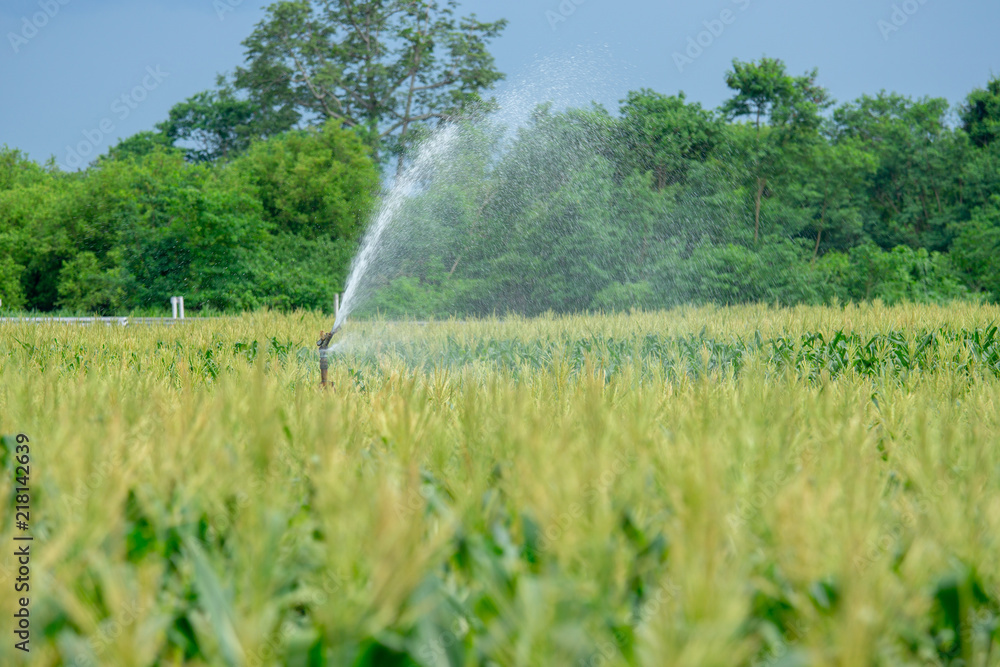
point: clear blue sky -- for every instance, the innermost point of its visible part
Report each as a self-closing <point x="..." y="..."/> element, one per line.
<point x="62" y="78"/>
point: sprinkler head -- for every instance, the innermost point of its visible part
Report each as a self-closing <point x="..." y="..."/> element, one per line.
<point x="325" y="337"/>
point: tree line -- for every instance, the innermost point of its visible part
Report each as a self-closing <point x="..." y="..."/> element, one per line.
<point x="256" y="193"/>
<point x="779" y="195"/>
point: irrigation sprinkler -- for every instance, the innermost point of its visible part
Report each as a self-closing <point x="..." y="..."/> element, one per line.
<point x="323" y="344"/>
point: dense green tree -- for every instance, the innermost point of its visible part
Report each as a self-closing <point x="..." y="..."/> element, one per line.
<point x="87" y="284"/>
<point x="37" y="223"/>
<point x="544" y="232"/>
<point x="665" y="134"/>
<point x="731" y="273"/>
<point x="156" y="226"/>
<point x="976" y="180"/>
<point x="542" y="158"/>
<point x="981" y="114"/>
<point x="920" y="162"/>
<point x="314" y="183"/>
<point x="276" y="227"/>
<point x="216" y="124"/>
<point x="386" y="67"/>
<point x="976" y="250"/>
<point x="18" y="177"/>
<point x="139" y="146"/>
<point x="17" y="169"/>
<point x="824" y="194"/>
<point x="867" y="272"/>
<point x="784" y="115"/>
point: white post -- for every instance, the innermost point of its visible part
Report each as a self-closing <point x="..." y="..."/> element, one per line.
<point x="181" y="300"/>
<point x="173" y="305"/>
<point x="336" y="305"/>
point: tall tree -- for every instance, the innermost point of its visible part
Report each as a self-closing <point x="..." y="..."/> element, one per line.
<point x="784" y="113"/>
<point x="977" y="247"/>
<point x="385" y="67"/>
<point x="664" y="135"/>
<point x="827" y="190"/>
<point x="981" y="114"/>
<point x="217" y="124"/>
<point x="314" y="183"/>
<point x="920" y="161"/>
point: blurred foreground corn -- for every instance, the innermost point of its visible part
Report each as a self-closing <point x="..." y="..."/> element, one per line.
<point x="735" y="486"/>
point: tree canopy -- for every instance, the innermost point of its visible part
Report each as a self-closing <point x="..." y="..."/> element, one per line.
<point x="777" y="195"/>
<point x="385" y="67"/>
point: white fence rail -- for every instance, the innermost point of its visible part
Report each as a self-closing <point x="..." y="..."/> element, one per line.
<point x="109" y="321"/>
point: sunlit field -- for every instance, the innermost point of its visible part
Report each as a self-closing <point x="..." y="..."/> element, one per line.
<point x="710" y="486"/>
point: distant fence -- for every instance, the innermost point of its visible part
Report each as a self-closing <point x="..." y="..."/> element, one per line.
<point x="176" y="305"/>
<point x="109" y="321"/>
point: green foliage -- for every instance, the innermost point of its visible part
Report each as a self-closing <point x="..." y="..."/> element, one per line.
<point x="143" y="224"/>
<point x="84" y="286"/>
<point x="917" y="184"/>
<point x="409" y="297"/>
<point x="663" y="135"/>
<point x="17" y="170"/>
<point x="514" y="491"/>
<point x="384" y="67"/>
<point x="313" y="183"/>
<point x="767" y="94"/>
<point x="138" y="146"/>
<point x="11" y="293"/>
<point x="784" y="111"/>
<point x="665" y="203"/>
<point x="217" y="123"/>
<point x="901" y="275"/>
<point x="977" y="248"/>
<point x="732" y="274"/>
<point x="293" y="271"/>
<point x="981" y="114"/>
<point x="824" y="195"/>
<point x="623" y="296"/>
<point x="651" y="209"/>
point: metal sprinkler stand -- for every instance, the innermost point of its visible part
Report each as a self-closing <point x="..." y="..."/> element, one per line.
<point x="323" y="343"/>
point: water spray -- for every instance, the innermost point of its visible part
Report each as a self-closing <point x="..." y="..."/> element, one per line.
<point x="460" y="156"/>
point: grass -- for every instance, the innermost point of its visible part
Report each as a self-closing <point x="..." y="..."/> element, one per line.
<point x="742" y="486"/>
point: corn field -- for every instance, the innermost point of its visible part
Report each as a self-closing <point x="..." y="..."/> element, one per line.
<point x="704" y="486"/>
